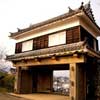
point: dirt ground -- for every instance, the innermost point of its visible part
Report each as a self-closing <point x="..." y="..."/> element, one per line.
<point x="43" y="97"/>
<point x="5" y="96"/>
<point x="11" y="96"/>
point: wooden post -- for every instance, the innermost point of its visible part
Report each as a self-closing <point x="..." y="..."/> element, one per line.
<point x="73" y="81"/>
<point x="77" y="82"/>
<point x="18" y="80"/>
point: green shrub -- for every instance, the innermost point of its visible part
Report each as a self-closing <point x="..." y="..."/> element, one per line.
<point x="7" y="82"/>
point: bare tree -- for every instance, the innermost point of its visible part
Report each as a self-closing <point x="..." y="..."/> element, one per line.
<point x="3" y="52"/>
<point x="4" y="64"/>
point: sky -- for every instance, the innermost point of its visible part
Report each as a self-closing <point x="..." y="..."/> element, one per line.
<point x="22" y="13"/>
<point x="61" y="73"/>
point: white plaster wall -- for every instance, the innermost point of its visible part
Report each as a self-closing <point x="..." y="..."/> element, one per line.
<point x="28" y="45"/>
<point x="66" y="25"/>
<point x="76" y="20"/>
<point x="57" y="38"/>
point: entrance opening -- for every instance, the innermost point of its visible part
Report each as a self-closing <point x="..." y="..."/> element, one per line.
<point x="61" y="82"/>
<point x="50" y="79"/>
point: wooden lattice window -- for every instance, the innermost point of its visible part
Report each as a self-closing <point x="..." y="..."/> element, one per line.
<point x="72" y="35"/>
<point x="40" y="42"/>
<point x="18" y="48"/>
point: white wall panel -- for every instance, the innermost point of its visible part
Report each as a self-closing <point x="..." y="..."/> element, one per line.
<point x="57" y="38"/>
<point x="28" y="45"/>
<point x="48" y="31"/>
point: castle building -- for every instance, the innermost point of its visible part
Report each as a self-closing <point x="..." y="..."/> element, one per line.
<point x="66" y="42"/>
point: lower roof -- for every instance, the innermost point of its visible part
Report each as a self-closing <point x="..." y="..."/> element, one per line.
<point x="62" y="50"/>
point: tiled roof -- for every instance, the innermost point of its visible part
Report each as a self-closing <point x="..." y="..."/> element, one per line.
<point x="62" y="50"/>
<point x="86" y="8"/>
<point x="47" y="52"/>
<point x="43" y="23"/>
<point x="89" y="12"/>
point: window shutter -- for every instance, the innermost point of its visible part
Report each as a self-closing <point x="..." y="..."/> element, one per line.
<point x="18" y="48"/>
<point x="40" y="42"/>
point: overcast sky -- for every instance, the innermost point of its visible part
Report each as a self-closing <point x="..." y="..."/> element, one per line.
<point x="21" y="13"/>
